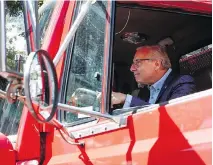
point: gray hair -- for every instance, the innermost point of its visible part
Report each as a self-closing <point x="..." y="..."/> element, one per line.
<point x="159" y="52"/>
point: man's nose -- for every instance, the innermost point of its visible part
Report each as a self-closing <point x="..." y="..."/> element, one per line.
<point x="133" y="68"/>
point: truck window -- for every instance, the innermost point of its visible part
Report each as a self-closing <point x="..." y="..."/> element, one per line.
<point x="84" y="83"/>
<point x="138" y="26"/>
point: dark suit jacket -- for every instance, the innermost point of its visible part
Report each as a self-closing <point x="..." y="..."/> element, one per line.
<point x="174" y="86"/>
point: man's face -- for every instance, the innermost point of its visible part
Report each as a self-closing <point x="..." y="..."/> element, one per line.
<point x="143" y="66"/>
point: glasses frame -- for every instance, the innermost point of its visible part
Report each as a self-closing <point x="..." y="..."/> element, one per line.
<point x="138" y="61"/>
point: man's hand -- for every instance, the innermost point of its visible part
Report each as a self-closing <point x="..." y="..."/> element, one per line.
<point x="118" y="98"/>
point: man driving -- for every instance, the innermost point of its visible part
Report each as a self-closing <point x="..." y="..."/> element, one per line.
<point x="151" y="66"/>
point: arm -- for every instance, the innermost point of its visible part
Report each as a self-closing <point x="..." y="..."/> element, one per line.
<point x="127" y="100"/>
<point x="138" y="102"/>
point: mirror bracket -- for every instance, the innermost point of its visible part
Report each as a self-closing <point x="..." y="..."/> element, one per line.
<point x="14" y="90"/>
<point x="44" y="58"/>
<point x="121" y="120"/>
<point x="64" y="132"/>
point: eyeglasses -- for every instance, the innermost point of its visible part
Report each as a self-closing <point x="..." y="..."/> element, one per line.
<point x="137" y="62"/>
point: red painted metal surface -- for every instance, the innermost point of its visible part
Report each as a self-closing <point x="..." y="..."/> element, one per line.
<point x="31" y="37"/>
<point x="28" y="141"/>
<point x="53" y="35"/>
<point x="177" y="133"/>
<point x="173" y="134"/>
<point x="7" y="153"/>
<point x="106" y="59"/>
<point x="66" y="28"/>
<point x="170" y="134"/>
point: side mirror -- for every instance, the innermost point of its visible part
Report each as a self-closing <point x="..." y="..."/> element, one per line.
<point x="40" y="85"/>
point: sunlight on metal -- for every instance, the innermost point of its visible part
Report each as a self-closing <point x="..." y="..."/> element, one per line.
<point x="118" y="119"/>
<point x="3" y="39"/>
<point x="37" y="26"/>
<point x="61" y="128"/>
<point x="121" y="120"/>
<point x="85" y="7"/>
<point x="33" y="18"/>
<point x="46" y="5"/>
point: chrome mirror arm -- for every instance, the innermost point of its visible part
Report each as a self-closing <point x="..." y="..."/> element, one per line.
<point x="85" y="7"/>
<point x="3" y="37"/>
<point x="32" y="15"/>
<point x="35" y="24"/>
<point x="121" y="120"/>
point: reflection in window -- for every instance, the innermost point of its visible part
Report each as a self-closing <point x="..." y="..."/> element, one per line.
<point x="84" y="84"/>
<point x="10" y="115"/>
<point x="45" y="18"/>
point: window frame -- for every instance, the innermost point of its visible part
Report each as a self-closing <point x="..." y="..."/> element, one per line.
<point x="107" y="70"/>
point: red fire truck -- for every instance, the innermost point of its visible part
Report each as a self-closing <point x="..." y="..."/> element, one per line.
<point x="57" y="110"/>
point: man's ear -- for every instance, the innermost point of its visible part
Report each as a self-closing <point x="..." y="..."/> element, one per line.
<point x="157" y="64"/>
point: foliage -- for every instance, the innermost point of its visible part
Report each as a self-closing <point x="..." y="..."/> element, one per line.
<point x="15" y="25"/>
<point x="14" y="8"/>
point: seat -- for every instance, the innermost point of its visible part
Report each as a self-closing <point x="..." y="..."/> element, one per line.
<point x="200" y="67"/>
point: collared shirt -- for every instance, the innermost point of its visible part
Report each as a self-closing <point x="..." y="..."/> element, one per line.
<point x="154" y="90"/>
<point x="156" y="87"/>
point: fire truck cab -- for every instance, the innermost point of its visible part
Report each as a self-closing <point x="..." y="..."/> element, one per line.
<point x="57" y="109"/>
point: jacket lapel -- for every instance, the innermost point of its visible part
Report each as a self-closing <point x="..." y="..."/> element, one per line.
<point x="169" y="79"/>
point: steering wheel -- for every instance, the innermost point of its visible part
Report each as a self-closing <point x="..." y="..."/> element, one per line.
<point x="84" y="98"/>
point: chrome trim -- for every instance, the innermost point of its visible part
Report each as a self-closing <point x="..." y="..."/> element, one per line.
<point x="52" y="80"/>
<point x="45" y="6"/>
<point x="85" y="7"/>
<point x="33" y="20"/>
<point x="96" y="129"/>
<point x="32" y="15"/>
<point x="118" y="119"/>
<point x="37" y="34"/>
<point x="3" y="38"/>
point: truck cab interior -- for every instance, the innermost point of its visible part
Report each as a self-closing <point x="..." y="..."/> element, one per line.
<point x="190" y="53"/>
